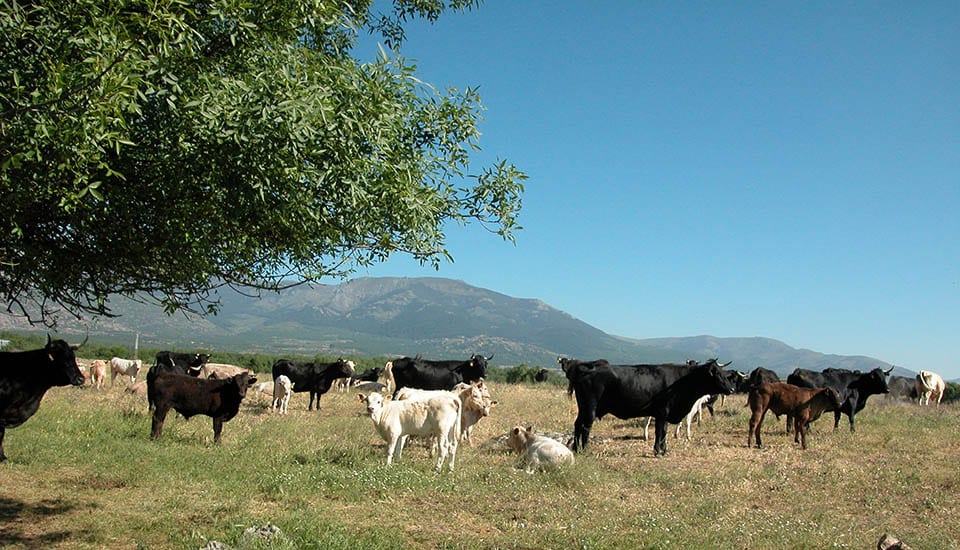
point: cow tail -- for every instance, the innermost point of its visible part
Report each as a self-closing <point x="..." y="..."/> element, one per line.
<point x="457" y="426"/>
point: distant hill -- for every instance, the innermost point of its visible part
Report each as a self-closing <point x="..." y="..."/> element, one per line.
<point x="432" y="316"/>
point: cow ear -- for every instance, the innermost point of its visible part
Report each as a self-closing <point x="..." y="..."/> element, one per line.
<point x="529" y="429"/>
<point x="516" y="430"/>
<point x="361" y="398"/>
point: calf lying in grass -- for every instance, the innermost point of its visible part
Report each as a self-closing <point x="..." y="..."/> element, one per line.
<point x="538" y="452"/>
<point x="804" y="405"/>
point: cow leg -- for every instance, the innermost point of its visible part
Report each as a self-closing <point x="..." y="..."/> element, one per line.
<point x="217" y="428"/>
<point x="789" y="423"/>
<point x="391" y="446"/>
<point x="756" y="422"/>
<point x="646" y="428"/>
<point x="851" y="422"/>
<point x="581" y="429"/>
<point x="660" y="437"/>
<point x="310" y="407"/>
<point x="3" y="432"/>
<point x="836" y="420"/>
<point x="156" y="427"/>
<point x="399" y="446"/>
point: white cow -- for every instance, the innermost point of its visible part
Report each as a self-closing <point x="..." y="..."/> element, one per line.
<point x="222" y="371"/>
<point x="474" y="396"/>
<point x="282" y="388"/>
<point x="125" y="367"/>
<point x="695" y="411"/>
<point x="538" y="452"/>
<point x="930" y="385"/>
<point x="437" y="415"/>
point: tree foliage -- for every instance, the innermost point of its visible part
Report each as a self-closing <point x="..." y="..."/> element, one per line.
<point x="161" y="150"/>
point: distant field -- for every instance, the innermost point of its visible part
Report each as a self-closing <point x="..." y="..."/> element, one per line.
<point x="83" y="474"/>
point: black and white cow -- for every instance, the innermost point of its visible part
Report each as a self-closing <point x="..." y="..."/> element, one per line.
<point x="25" y="376"/>
<point x="665" y="392"/>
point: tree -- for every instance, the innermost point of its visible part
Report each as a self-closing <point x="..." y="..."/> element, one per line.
<point x="162" y="150"/>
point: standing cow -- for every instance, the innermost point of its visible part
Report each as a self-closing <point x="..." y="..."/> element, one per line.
<point x="930" y="386"/>
<point x="854" y="387"/>
<point x="190" y="396"/>
<point x="316" y="378"/>
<point x="125" y="367"/>
<point x="25" y="376"/>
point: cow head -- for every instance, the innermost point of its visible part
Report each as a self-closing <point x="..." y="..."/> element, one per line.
<point x="344" y="368"/>
<point x="836" y="402"/>
<point x="64" y="362"/>
<point x="718" y="378"/>
<point x="243" y="381"/>
<point x="373" y="402"/>
<point x="479" y="362"/>
<point x="874" y="381"/>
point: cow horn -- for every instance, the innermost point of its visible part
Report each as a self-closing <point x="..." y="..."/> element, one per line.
<point x="77" y="346"/>
<point x="725" y="364"/>
<point x="888" y="371"/>
<point x="48" y="339"/>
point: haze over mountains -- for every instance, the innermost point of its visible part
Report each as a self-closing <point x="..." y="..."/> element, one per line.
<point x="439" y="318"/>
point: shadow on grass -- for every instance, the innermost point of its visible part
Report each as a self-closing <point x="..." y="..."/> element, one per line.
<point x="16" y="515"/>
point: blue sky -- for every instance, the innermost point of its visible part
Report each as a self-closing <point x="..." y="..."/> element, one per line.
<point x="786" y="170"/>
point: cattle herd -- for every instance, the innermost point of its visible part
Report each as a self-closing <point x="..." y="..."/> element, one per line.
<point x="443" y="400"/>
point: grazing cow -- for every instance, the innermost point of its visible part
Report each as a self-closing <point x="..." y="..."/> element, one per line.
<point x="437" y="375"/>
<point x="930" y="385"/>
<point x="541" y="375"/>
<point x="804" y="405"/>
<point x="282" y="388"/>
<point x="98" y="373"/>
<point x="222" y="371"/>
<point x="761" y="375"/>
<point x="125" y="367"/>
<point x="437" y="415"/>
<point x="854" y="387"/>
<point x="666" y="392"/>
<point x="902" y="389"/>
<point x="190" y="396"/>
<point x="371" y="375"/>
<point x="265" y="388"/>
<point x="695" y="411"/>
<point x="25" y="376"/>
<point x="137" y="390"/>
<point x="316" y="378"/>
<point x="538" y="452"/>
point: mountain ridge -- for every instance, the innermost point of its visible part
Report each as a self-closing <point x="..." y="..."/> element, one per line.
<point x="433" y="316"/>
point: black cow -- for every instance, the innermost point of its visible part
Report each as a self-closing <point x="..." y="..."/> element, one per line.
<point x="761" y="375"/>
<point x="25" y="376"/>
<point x="902" y="389"/>
<point x="190" y="396"/>
<point x="665" y="392"/>
<point x="425" y="374"/>
<point x="172" y="362"/>
<point x="541" y="375"/>
<point x="315" y="378"/>
<point x="854" y="387"/>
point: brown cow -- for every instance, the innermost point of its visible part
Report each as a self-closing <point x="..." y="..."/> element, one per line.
<point x="189" y="396"/>
<point x="803" y="404"/>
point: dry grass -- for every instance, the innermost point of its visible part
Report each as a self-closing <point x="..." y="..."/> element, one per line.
<point x="83" y="474"/>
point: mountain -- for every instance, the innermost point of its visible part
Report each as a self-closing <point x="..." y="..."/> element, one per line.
<point x="432" y="316"/>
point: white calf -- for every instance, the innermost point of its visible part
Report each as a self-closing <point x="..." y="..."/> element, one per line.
<point x="125" y="367"/>
<point x="930" y="385"/>
<point x="538" y="452"/>
<point x="282" y="388"/>
<point x="388" y="376"/>
<point x="437" y="415"/>
<point x="695" y="410"/>
<point x="475" y="398"/>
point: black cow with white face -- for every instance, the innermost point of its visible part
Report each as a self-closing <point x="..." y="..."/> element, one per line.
<point x="25" y="376"/>
<point x="425" y="374"/>
<point x="665" y="392"/>
<point x="854" y="387"/>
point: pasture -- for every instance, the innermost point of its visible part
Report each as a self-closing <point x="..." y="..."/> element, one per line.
<point x="83" y="474"/>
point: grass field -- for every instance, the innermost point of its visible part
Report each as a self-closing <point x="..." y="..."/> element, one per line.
<point x="83" y="474"/>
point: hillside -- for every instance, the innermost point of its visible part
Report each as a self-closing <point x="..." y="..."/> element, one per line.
<point x="432" y="316"/>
